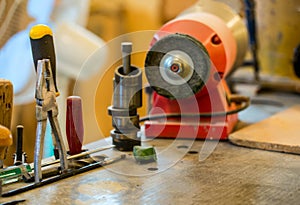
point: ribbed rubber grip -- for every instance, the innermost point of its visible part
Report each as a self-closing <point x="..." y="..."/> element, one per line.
<point x="42" y="47"/>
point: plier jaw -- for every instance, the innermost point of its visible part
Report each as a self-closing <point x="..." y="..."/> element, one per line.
<point x="44" y="81"/>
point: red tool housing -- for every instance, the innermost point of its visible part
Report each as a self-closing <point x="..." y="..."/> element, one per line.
<point x="221" y="43"/>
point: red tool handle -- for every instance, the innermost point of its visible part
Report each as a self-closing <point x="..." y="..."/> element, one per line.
<point x="74" y="124"/>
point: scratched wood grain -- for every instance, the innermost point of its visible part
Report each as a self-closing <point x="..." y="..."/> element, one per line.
<point x="230" y="175"/>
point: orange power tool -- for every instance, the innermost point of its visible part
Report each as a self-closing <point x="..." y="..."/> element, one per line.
<point x="186" y="66"/>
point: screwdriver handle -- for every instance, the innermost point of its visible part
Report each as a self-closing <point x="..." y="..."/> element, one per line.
<point x="74" y="124"/>
<point x="42" y="47"/>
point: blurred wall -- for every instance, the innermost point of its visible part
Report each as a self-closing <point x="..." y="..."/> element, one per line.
<point x="278" y="24"/>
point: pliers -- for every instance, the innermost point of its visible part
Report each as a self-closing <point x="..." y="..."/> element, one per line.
<point x="43" y="54"/>
<point x="46" y="108"/>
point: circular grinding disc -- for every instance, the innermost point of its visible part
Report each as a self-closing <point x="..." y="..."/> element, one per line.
<point x="177" y="66"/>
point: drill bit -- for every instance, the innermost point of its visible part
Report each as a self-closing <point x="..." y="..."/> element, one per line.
<point x="126" y="48"/>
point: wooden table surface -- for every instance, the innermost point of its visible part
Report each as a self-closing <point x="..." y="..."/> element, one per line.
<point x="230" y="175"/>
<point x="186" y="173"/>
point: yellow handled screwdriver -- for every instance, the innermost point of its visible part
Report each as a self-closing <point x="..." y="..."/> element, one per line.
<point x="45" y="93"/>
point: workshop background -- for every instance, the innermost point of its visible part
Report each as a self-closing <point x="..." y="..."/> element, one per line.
<point x="278" y="31"/>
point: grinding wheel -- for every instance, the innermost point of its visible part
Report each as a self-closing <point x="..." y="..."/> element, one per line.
<point x="177" y="66"/>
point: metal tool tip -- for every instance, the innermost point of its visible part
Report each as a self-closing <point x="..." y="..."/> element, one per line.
<point x="126" y="47"/>
<point x="20" y="126"/>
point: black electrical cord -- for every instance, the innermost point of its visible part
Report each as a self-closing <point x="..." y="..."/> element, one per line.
<point x="242" y="101"/>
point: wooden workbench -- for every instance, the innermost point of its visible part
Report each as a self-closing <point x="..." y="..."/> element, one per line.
<point x="183" y="175"/>
<point x="230" y="175"/>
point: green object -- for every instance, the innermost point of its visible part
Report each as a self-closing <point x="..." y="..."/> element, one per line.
<point x="13" y="173"/>
<point x="144" y="154"/>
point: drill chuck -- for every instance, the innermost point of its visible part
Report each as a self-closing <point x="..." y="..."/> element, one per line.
<point x="127" y="97"/>
<point x="127" y="89"/>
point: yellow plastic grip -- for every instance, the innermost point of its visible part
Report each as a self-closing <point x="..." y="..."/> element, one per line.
<point x="40" y="30"/>
<point x="5" y="137"/>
